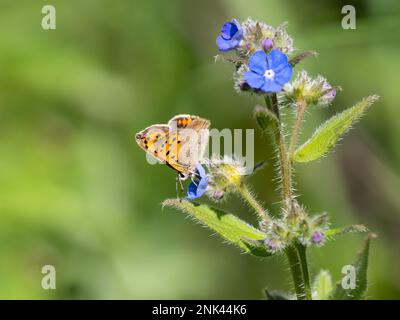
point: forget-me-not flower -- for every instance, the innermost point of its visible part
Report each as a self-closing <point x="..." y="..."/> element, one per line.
<point x="231" y="35"/>
<point x="268" y="72"/>
<point x="197" y="187"/>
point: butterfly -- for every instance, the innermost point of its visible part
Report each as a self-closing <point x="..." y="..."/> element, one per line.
<point x="180" y="144"/>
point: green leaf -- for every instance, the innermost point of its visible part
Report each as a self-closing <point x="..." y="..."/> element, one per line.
<point x="266" y="119"/>
<point x="323" y="285"/>
<point x="361" y="267"/>
<point x="340" y="231"/>
<point x="228" y="226"/>
<point x="326" y="136"/>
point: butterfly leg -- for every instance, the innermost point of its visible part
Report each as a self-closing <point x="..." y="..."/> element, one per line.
<point x="176" y="187"/>
<point x="180" y="182"/>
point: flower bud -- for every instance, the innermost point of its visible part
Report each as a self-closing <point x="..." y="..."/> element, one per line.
<point x="274" y="244"/>
<point x="267" y="44"/>
<point x="282" y="40"/>
<point x="315" y="92"/>
<point x="328" y="94"/>
<point x="278" y="236"/>
<point x="317" y="237"/>
<point x="217" y="195"/>
<point x="258" y="35"/>
<point x="225" y="176"/>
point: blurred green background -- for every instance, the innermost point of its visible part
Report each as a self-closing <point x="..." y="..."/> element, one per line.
<point x="77" y="193"/>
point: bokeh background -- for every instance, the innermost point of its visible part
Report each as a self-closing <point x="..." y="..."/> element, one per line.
<point x="77" y="193"/>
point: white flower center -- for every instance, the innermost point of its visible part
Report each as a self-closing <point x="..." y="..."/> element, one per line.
<point x="269" y="74"/>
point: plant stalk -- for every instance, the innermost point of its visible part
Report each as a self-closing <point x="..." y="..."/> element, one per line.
<point x="301" y="108"/>
<point x="304" y="269"/>
<point x="280" y="142"/>
<point x="246" y="194"/>
<point x="295" y="269"/>
<point x="296" y="253"/>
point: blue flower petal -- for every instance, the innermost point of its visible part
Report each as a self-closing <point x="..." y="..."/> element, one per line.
<point x="196" y="190"/>
<point x="258" y="62"/>
<point x="201" y="171"/>
<point x="202" y="187"/>
<point x="231" y="35"/>
<point x="239" y="34"/>
<point x="224" y="45"/>
<point x="284" y="75"/>
<point x="254" y="80"/>
<point x="192" y="191"/>
<point x="271" y="86"/>
<point x="277" y="59"/>
<point x="228" y="30"/>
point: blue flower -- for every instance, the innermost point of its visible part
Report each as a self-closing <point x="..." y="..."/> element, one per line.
<point x="231" y="34"/>
<point x="197" y="187"/>
<point x="268" y="73"/>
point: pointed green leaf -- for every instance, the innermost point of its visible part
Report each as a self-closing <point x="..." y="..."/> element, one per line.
<point x="326" y="136"/>
<point x="323" y="285"/>
<point x="361" y="267"/>
<point x="228" y="226"/>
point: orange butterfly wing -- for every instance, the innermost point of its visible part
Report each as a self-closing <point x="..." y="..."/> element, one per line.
<point x="180" y="144"/>
<point x="163" y="144"/>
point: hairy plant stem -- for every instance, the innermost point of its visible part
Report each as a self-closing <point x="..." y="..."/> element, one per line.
<point x="301" y="249"/>
<point x="246" y="194"/>
<point x="295" y="269"/>
<point x="301" y="108"/>
<point x="280" y="142"/>
<point x="296" y="252"/>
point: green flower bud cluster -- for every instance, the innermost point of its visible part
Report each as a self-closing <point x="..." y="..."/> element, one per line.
<point x="313" y="91"/>
<point x="226" y="176"/>
<point x="259" y="35"/>
<point x="296" y="226"/>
